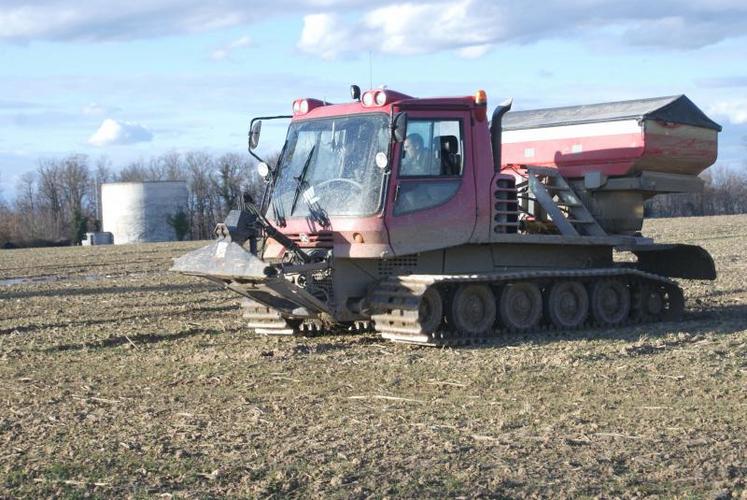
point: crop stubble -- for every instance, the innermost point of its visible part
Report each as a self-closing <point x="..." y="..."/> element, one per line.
<point x="119" y="378"/>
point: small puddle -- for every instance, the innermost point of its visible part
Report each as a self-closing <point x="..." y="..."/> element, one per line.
<point x="53" y="277"/>
<point x="13" y="281"/>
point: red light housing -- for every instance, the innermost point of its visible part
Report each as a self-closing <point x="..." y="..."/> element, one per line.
<point x="375" y="98"/>
<point x="481" y="105"/>
<point x="303" y="106"/>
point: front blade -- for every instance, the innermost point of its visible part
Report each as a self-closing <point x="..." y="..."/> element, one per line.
<point x="224" y="260"/>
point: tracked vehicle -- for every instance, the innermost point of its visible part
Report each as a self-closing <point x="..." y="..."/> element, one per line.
<point x="431" y="222"/>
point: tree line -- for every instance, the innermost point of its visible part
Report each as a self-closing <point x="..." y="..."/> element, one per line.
<point x="725" y="193"/>
<point x="60" y="201"/>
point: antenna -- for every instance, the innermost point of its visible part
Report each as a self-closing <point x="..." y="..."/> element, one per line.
<point x="370" y="70"/>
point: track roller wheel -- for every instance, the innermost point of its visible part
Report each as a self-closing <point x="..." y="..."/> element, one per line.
<point x="610" y="302"/>
<point x="521" y="306"/>
<point x="473" y="309"/>
<point x="430" y="311"/>
<point x="648" y="302"/>
<point x="675" y="304"/>
<point x="567" y="305"/>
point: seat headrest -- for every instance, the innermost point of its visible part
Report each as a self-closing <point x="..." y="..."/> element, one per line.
<point x="449" y="144"/>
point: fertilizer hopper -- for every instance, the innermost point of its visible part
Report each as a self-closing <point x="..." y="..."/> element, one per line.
<point x="618" y="154"/>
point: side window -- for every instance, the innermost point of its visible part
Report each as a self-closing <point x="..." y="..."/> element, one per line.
<point x="433" y="148"/>
<point x="431" y="165"/>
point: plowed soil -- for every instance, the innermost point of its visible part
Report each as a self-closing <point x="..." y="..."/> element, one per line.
<point x="118" y="378"/>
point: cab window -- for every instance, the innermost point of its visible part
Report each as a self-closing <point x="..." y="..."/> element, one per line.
<point x="431" y="165"/>
<point x="432" y="148"/>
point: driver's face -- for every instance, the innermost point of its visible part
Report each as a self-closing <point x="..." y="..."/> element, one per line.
<point x="411" y="148"/>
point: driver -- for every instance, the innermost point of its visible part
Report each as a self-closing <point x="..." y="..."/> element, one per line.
<point x="414" y="159"/>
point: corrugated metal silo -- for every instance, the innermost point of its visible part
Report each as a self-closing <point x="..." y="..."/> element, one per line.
<point x="137" y="212"/>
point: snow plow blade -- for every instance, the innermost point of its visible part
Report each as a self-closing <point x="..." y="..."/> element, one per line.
<point x="676" y="261"/>
<point x="228" y="263"/>
<point x="225" y="261"/>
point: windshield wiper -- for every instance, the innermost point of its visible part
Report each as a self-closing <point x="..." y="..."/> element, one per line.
<point x="301" y="179"/>
<point x="270" y="185"/>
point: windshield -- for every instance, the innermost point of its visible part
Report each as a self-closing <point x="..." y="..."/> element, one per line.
<point x="335" y="162"/>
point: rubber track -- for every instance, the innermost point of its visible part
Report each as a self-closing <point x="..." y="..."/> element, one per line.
<point x="398" y="298"/>
<point x="267" y="321"/>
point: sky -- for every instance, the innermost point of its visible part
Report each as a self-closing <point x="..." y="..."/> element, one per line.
<point x="147" y="77"/>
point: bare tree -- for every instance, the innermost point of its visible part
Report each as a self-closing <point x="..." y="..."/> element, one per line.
<point x="134" y="171"/>
<point x="101" y="175"/>
<point x="228" y="181"/>
<point x="725" y="192"/>
<point x="51" y="197"/>
<point x="62" y="197"/>
<point x="173" y="166"/>
<point x="75" y="188"/>
<point x="199" y="165"/>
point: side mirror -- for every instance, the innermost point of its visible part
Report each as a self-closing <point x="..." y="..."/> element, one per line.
<point x="254" y="134"/>
<point x="399" y="126"/>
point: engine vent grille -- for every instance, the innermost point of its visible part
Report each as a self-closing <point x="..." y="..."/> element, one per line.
<point x="505" y="207"/>
<point x="321" y="239"/>
<point x="398" y="265"/>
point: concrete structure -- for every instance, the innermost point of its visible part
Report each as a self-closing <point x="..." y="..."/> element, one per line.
<point x="101" y="238"/>
<point x="137" y="212"/>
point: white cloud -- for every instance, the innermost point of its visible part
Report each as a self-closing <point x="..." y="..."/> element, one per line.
<point x="93" y="109"/>
<point x="472" y="27"/>
<point x="223" y="52"/>
<point x="92" y="20"/>
<point x="734" y="110"/>
<point x="116" y="133"/>
<point x="475" y="51"/>
<point x="96" y="109"/>
<point x="411" y="27"/>
<point x="326" y="36"/>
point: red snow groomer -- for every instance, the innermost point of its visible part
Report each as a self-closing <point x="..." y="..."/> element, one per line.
<point x="422" y="220"/>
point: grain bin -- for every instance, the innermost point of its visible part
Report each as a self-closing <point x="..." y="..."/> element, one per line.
<point x="137" y="212"/>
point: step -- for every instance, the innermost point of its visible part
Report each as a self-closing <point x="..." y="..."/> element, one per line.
<point x="383" y="329"/>
<point x="266" y="324"/>
<point x="272" y="331"/>
<point x="412" y="317"/>
<point x="261" y="316"/>
<point x="410" y="339"/>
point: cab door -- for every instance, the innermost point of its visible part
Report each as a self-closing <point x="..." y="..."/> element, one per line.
<point x="432" y="205"/>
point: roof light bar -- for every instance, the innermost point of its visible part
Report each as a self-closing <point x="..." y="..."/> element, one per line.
<point x="368" y="99"/>
<point x="375" y="98"/>
<point x="303" y="106"/>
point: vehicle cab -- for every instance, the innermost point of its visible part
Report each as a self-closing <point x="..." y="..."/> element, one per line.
<point x="383" y="176"/>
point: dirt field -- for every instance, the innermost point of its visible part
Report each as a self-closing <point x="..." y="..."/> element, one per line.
<point x="119" y="378"/>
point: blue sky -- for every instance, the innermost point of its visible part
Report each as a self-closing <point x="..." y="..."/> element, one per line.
<point x="147" y="77"/>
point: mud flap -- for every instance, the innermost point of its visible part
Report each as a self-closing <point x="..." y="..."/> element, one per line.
<point x="676" y="261"/>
